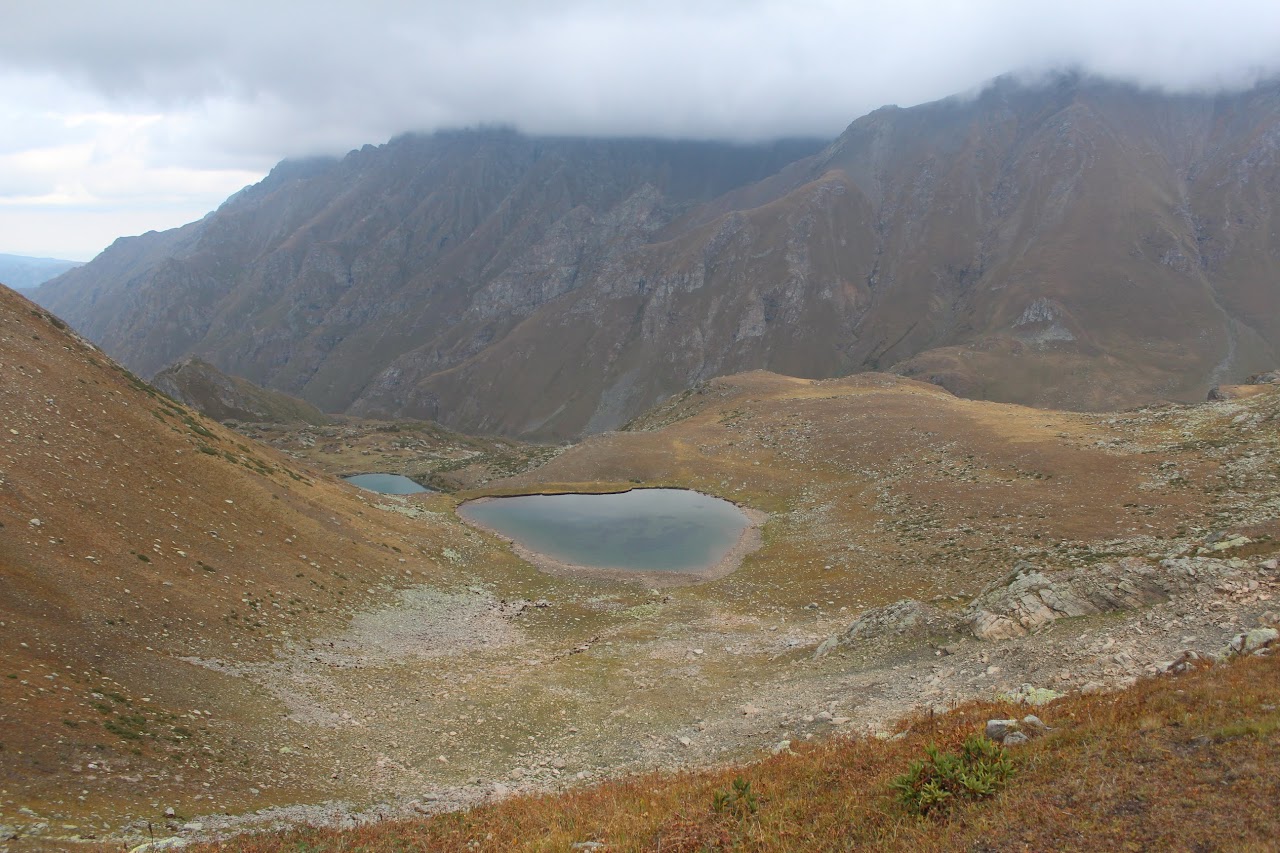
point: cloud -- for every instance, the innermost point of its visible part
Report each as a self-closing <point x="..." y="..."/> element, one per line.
<point x="237" y="85"/>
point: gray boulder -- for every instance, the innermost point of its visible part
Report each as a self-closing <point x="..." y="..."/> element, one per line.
<point x="901" y="617"/>
<point x="1029" y="599"/>
<point x="1251" y="642"/>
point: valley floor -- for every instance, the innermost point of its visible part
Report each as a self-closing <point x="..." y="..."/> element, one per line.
<point x="496" y="680"/>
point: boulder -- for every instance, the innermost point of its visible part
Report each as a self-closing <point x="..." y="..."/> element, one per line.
<point x="998" y="730"/>
<point x="1251" y="642"/>
<point x="899" y="618"/>
<point x="827" y="646"/>
<point x="1035" y="724"/>
<point x="1029" y="599"/>
<point x="1029" y="694"/>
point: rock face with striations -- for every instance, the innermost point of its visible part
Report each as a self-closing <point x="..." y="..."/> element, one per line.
<point x="1078" y="244"/>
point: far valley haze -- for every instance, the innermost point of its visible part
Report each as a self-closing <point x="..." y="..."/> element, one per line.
<point x="23" y="273"/>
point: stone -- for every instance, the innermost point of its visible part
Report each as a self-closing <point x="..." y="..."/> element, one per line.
<point x="684" y="741"/>
<point x="907" y="615"/>
<point x="1028" y="599"/>
<point x="1184" y="662"/>
<point x="1015" y="738"/>
<point x="171" y="843"/>
<point x="1229" y="543"/>
<point x="781" y="747"/>
<point x="993" y="627"/>
<point x="1251" y="642"/>
<point x="998" y="730"/>
<point x="1035" y="724"/>
<point x="1028" y="694"/>
<point x="169" y="812"/>
<point x="826" y="647"/>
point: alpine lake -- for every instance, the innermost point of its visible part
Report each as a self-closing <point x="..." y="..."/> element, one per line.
<point x="642" y="532"/>
<point x="386" y="484"/>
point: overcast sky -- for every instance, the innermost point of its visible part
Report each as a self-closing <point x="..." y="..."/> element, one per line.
<point x="120" y="117"/>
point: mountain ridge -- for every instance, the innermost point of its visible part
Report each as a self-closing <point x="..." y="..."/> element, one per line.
<point x="1079" y="243"/>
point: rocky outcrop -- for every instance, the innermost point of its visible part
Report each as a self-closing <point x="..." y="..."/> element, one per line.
<point x="1029" y="599"/>
<point x="902" y="618"/>
<point x="1253" y="386"/>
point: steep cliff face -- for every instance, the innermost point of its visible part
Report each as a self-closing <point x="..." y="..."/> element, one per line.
<point x="1078" y="244"/>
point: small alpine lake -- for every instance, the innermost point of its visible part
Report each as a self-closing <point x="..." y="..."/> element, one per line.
<point x="648" y="532"/>
<point x="386" y="484"/>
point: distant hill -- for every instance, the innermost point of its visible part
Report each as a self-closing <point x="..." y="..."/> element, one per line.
<point x="1079" y="244"/>
<point x="23" y="273"/>
<point x="198" y="383"/>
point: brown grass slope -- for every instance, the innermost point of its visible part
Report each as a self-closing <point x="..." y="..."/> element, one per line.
<point x="135" y="537"/>
<point x="1183" y="763"/>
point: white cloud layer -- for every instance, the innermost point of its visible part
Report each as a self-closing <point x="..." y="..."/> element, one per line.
<point x="132" y="106"/>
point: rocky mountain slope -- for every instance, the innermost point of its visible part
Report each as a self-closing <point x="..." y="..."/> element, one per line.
<point x="199" y="384"/>
<point x="1077" y="243"/>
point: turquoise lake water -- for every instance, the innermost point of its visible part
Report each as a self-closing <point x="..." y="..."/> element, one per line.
<point x="672" y="530"/>
<point x="387" y="484"/>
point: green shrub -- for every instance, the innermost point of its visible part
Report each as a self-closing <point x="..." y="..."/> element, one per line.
<point x="932" y="786"/>
<point x="739" y="800"/>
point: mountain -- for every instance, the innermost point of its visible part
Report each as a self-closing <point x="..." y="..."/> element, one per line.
<point x="23" y="273"/>
<point x="1078" y="243"/>
<point x="199" y="384"/>
<point x="138" y="539"/>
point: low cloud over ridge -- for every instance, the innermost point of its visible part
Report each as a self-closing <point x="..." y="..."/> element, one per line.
<point x="213" y="94"/>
